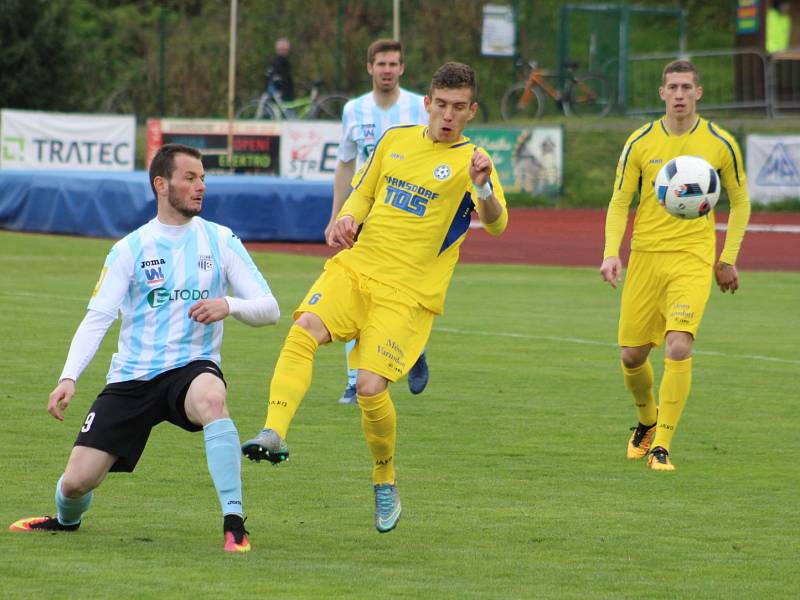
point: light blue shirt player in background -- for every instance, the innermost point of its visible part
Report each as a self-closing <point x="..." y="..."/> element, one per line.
<point x="168" y="280"/>
<point x="363" y="122"/>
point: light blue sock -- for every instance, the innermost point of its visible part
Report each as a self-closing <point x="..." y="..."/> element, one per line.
<point x="224" y="457"/>
<point x="70" y="510"/>
<point x="351" y="373"/>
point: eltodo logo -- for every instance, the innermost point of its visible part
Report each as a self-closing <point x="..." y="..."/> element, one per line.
<point x="160" y="296"/>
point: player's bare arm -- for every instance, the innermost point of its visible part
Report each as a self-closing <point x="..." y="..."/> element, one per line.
<point x="480" y="169"/>
<point x="343" y="233"/>
<point x="611" y="270"/>
<point x="727" y="277"/>
<point x="60" y="398"/>
<point x="209" y="311"/>
<point x="341" y="189"/>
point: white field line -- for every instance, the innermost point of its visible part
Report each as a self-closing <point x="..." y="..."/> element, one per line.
<point x="752" y="227"/>
<point x="585" y="342"/>
<point x="764" y="228"/>
<point x="522" y="336"/>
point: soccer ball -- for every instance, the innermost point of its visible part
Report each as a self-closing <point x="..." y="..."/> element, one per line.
<point x="687" y="187"/>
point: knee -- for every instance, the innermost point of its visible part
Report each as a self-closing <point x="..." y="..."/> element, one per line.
<point x="679" y="345"/>
<point x="314" y="325"/>
<point x="371" y="387"/>
<point x="632" y="358"/>
<point x="210" y="405"/>
<point x="75" y="486"/>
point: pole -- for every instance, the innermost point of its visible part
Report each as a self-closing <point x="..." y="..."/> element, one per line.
<point x="162" y="51"/>
<point x="231" y="81"/>
<point x="396" y="20"/>
<point x="339" y="30"/>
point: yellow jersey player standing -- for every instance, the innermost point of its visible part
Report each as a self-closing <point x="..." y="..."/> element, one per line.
<point x="414" y="197"/>
<point x="669" y="273"/>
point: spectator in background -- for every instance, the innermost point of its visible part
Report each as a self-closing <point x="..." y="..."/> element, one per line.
<point x="779" y="26"/>
<point x="279" y="72"/>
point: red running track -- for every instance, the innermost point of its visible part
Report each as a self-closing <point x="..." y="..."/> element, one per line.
<point x="574" y="237"/>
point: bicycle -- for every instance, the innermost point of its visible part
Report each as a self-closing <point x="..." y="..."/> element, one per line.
<point x="579" y="95"/>
<point x="270" y="105"/>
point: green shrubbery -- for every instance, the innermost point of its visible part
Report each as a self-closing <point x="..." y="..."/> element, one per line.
<point x="101" y="55"/>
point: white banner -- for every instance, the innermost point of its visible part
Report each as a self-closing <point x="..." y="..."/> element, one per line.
<point x="42" y="140"/>
<point x="308" y="149"/>
<point x="773" y="167"/>
<point x="498" y="34"/>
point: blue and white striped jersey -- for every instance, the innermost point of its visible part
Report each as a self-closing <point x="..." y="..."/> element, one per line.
<point x="363" y="123"/>
<point x="153" y="276"/>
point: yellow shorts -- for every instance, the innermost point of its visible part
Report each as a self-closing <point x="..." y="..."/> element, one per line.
<point x="663" y="291"/>
<point x="391" y="327"/>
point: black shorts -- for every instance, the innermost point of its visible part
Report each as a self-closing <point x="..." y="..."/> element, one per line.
<point x="121" y="418"/>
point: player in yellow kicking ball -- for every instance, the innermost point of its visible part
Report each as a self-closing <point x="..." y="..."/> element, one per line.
<point x="414" y="197"/>
<point x="670" y="269"/>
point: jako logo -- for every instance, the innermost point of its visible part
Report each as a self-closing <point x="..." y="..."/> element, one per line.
<point x="159" y="296"/>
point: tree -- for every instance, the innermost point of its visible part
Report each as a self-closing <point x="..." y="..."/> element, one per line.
<point x="35" y="62"/>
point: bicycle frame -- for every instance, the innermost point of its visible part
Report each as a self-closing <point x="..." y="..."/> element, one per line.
<point x="297" y="108"/>
<point x="575" y="95"/>
<point x="538" y="77"/>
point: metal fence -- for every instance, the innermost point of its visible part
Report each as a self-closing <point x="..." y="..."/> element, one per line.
<point x="739" y="79"/>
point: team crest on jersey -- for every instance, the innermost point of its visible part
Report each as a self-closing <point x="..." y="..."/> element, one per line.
<point x="205" y="262"/>
<point x="442" y="172"/>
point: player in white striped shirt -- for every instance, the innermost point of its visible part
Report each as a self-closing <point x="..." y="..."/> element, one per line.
<point x="364" y="121"/>
<point x="168" y="280"/>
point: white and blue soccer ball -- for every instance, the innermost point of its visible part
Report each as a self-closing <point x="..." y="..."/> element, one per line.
<point x="687" y="187"/>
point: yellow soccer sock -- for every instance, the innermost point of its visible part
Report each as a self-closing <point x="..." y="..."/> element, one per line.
<point x="639" y="382"/>
<point x="672" y="395"/>
<point x="379" y="422"/>
<point x="291" y="379"/>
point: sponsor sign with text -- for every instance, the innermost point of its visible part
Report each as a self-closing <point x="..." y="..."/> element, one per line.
<point x="45" y="140"/>
<point x="256" y="144"/>
<point x="308" y="149"/>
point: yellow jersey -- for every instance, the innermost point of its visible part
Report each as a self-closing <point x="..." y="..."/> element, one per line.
<point x="654" y="230"/>
<point x="414" y="198"/>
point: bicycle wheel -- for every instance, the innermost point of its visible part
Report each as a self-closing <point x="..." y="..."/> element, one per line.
<point x="329" y="107"/>
<point x="514" y="105"/>
<point x="590" y="96"/>
<point x="256" y="109"/>
<point x="248" y="110"/>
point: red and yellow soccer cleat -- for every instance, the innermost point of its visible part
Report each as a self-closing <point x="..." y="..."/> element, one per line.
<point x="41" y="524"/>
<point x="640" y="440"/>
<point x="659" y="460"/>
<point x="235" y="534"/>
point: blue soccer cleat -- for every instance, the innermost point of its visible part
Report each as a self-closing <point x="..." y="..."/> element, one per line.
<point x="418" y="375"/>
<point x="349" y="395"/>
<point x="387" y="507"/>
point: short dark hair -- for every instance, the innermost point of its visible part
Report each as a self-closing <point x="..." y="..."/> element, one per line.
<point x="384" y="46"/>
<point x="680" y="66"/>
<point x="454" y="75"/>
<point x="163" y="163"/>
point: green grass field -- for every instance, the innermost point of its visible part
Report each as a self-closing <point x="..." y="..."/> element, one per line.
<point x="511" y="465"/>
